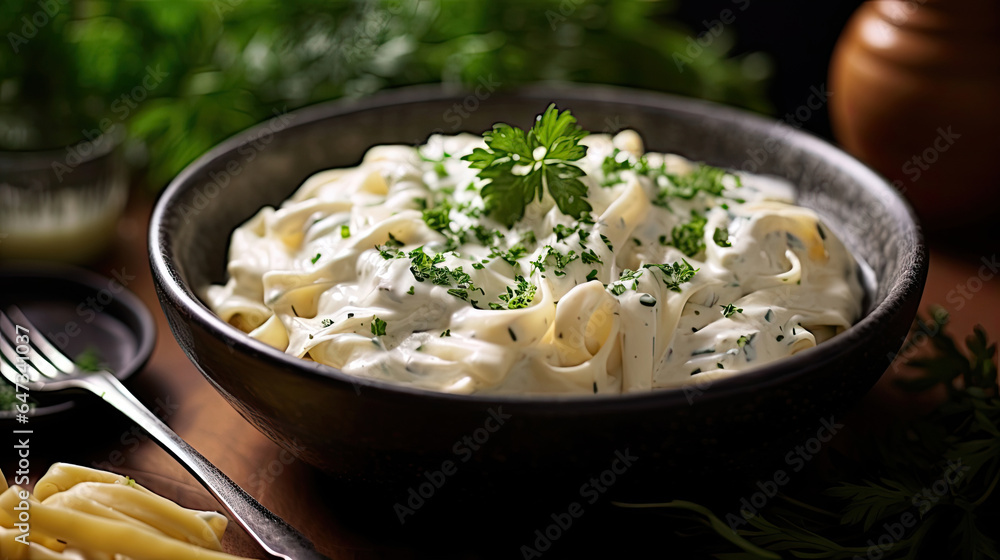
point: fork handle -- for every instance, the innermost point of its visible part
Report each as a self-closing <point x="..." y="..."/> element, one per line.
<point x="274" y="535"/>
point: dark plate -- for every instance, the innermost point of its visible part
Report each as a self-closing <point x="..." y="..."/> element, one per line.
<point x="389" y="440"/>
<point x="77" y="310"/>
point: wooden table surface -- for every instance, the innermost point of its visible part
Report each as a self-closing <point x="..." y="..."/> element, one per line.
<point x="286" y="486"/>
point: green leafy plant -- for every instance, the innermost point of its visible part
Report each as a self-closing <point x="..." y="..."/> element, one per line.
<point x="222" y="66"/>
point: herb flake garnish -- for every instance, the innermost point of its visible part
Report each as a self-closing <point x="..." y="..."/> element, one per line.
<point x="378" y="326"/>
<point x="721" y="237"/>
<point x="690" y="237"/>
<point x="729" y="310"/>
<point x="675" y="274"/>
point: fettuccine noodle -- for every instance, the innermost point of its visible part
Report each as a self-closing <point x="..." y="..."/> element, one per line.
<point x="79" y="513"/>
<point x="337" y="274"/>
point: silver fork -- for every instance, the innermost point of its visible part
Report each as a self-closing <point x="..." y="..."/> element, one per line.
<point x="31" y="361"/>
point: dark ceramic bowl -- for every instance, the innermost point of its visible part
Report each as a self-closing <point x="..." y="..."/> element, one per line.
<point x="376" y="435"/>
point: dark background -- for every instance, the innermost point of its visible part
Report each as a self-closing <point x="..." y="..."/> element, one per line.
<point x="799" y="36"/>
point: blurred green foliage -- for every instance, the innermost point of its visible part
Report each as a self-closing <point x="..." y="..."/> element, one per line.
<point x="182" y="75"/>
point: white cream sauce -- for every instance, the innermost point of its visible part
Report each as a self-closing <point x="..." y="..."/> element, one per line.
<point x="795" y="282"/>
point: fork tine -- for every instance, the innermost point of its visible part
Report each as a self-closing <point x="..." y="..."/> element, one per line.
<point x="10" y="373"/>
<point x="33" y="357"/>
<point x="10" y="358"/>
<point x="50" y="352"/>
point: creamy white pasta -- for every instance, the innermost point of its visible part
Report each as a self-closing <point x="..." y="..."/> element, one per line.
<point x="392" y="270"/>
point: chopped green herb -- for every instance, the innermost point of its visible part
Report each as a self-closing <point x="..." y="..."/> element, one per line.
<point x="439" y="218"/>
<point x="447" y="332"/>
<point x="562" y="232"/>
<point x="316" y="258"/>
<point x="675" y="274"/>
<point x="518" y="297"/>
<point x="590" y="257"/>
<point x="326" y="323"/>
<point x="721" y="237"/>
<point x="690" y="237"/>
<point x="742" y="341"/>
<point x="561" y="260"/>
<point x="592" y="275"/>
<point x="393" y="242"/>
<point x="378" y="326"/>
<point x="703" y="178"/>
<point x="729" y="310"/>
<point x="410" y="291"/>
<point x="345" y="231"/>
<point x="607" y="242"/>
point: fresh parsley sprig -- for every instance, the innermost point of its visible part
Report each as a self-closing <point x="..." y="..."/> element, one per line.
<point x="520" y="166"/>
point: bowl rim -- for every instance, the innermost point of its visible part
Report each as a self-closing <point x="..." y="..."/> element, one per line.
<point x="176" y="293"/>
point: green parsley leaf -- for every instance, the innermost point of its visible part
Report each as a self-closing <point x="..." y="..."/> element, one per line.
<point x="378" y="326"/>
<point x="729" y="310"/>
<point x="590" y="257"/>
<point x="518" y="297"/>
<point x="690" y="237"/>
<point x="703" y="178"/>
<point x="439" y="218"/>
<point x="316" y="258"/>
<point x="345" y="231"/>
<point x="393" y="242"/>
<point x="326" y="323"/>
<point x="721" y="237"/>
<point x="546" y="152"/>
<point x="675" y="274"/>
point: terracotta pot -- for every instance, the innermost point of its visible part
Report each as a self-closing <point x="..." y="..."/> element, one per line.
<point x="915" y="93"/>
